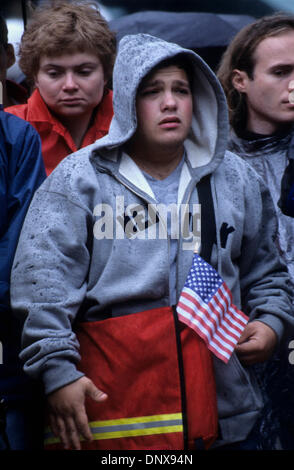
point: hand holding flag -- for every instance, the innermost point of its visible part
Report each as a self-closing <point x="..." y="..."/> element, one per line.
<point x="205" y="305"/>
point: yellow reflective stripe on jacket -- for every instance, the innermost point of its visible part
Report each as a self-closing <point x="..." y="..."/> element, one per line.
<point x="126" y="427"/>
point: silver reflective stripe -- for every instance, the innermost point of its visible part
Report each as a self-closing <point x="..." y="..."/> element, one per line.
<point x="127" y="427"/>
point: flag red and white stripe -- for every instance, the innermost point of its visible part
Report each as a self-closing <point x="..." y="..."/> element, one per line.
<point x="206" y="306"/>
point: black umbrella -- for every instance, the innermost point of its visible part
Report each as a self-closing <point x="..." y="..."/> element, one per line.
<point x="206" y="33"/>
<point x="256" y="8"/>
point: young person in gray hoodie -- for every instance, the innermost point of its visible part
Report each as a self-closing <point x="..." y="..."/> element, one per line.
<point x="89" y="254"/>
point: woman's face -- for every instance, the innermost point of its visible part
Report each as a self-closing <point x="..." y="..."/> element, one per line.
<point x="71" y="85"/>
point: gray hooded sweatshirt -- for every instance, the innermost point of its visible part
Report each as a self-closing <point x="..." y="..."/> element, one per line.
<point x="63" y="274"/>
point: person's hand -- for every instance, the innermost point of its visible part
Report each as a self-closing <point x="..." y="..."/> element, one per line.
<point x="67" y="413"/>
<point x="256" y="343"/>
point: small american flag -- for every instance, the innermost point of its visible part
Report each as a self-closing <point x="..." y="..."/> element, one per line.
<point x="205" y="305"/>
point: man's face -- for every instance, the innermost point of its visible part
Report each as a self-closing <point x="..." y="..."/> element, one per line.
<point x="164" y="109"/>
<point x="71" y="84"/>
<point x="267" y="94"/>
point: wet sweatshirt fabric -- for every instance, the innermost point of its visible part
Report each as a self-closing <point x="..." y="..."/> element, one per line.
<point x="72" y="264"/>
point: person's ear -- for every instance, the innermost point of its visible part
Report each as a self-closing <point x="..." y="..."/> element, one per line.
<point x="10" y="56"/>
<point x="240" y="80"/>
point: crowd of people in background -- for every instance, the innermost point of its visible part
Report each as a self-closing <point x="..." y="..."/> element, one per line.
<point x="148" y="122"/>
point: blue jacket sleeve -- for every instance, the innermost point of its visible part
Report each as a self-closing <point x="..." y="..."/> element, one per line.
<point x="21" y="173"/>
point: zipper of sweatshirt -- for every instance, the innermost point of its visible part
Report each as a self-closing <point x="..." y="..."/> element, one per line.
<point x="187" y="199"/>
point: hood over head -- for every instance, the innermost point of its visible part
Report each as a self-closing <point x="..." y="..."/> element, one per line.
<point x="137" y="55"/>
